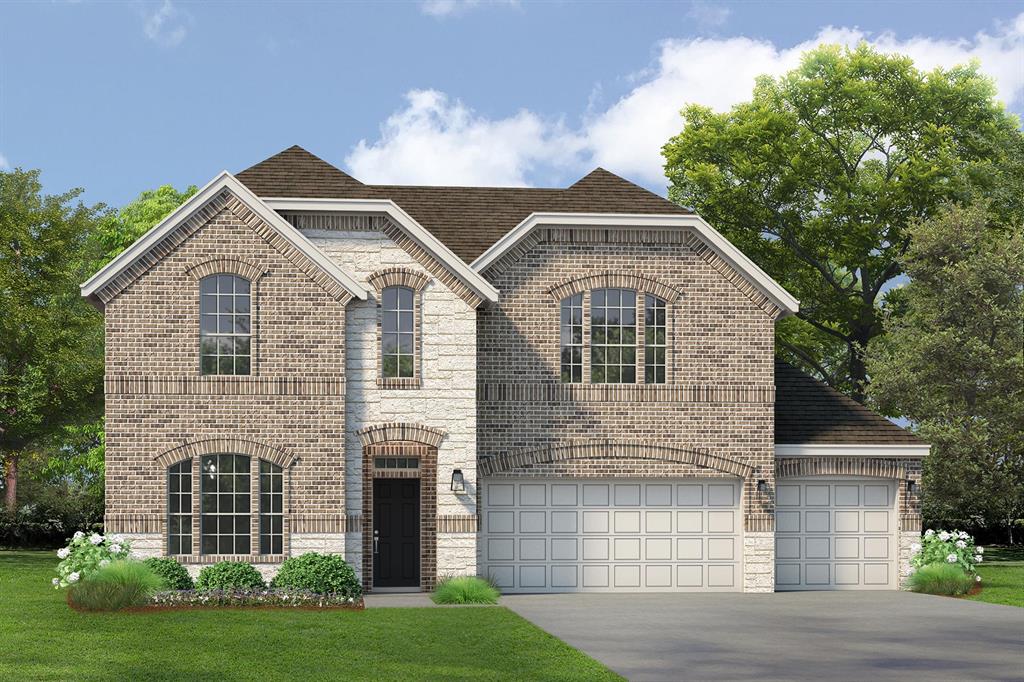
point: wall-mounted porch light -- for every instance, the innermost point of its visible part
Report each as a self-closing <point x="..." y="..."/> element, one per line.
<point x="458" y="482"/>
<point x="762" y="486"/>
<point x="912" y="486"/>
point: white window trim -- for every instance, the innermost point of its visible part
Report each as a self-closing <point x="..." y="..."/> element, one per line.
<point x="847" y="450"/>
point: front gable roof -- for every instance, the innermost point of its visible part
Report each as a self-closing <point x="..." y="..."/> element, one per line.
<point x="222" y="190"/>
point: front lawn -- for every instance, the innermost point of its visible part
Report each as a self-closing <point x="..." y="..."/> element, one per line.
<point x="41" y="638"/>
<point x="1001" y="584"/>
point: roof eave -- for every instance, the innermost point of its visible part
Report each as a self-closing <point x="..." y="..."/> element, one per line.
<point x="224" y="180"/>
<point x="787" y="303"/>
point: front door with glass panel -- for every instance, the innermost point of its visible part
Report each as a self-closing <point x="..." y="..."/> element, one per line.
<point x="396" y="532"/>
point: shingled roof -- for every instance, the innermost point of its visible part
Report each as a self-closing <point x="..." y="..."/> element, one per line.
<point x="808" y="411"/>
<point x="466" y="219"/>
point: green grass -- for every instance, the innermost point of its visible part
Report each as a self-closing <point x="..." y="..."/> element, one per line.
<point x="118" y="585"/>
<point x="1001" y="584"/>
<point x="948" y="579"/>
<point x="41" y="638"/>
<point x="465" y="589"/>
<point x="1004" y="553"/>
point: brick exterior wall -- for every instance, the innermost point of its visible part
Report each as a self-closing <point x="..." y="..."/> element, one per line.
<point x="156" y="400"/>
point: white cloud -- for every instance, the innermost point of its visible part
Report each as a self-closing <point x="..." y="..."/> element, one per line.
<point x="708" y="15"/>
<point x="626" y="137"/>
<point x="438" y="141"/>
<point x="4" y="163"/>
<point x="444" y="8"/>
<point x="166" y="25"/>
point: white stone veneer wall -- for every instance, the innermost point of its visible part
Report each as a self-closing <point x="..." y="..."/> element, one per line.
<point x="906" y="539"/>
<point x="445" y="400"/>
<point x="759" y="562"/>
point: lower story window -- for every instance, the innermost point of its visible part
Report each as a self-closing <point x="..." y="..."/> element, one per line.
<point x="271" y="508"/>
<point x="179" y="508"/>
<point x="225" y="505"/>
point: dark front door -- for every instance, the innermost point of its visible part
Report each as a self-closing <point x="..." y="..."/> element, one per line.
<point x="396" y="532"/>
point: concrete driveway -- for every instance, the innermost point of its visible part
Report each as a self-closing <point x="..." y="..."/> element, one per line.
<point x="786" y="636"/>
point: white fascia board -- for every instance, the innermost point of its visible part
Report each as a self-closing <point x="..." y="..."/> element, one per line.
<point x="846" y="450"/>
<point x="722" y="246"/>
<point x="470" y="277"/>
<point x="223" y="181"/>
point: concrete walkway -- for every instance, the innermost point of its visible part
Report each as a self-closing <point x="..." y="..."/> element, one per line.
<point x="377" y="600"/>
<point x="786" y="636"/>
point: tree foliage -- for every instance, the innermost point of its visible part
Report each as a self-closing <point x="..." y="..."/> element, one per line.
<point x="120" y="230"/>
<point x="953" y="363"/>
<point x="51" y="357"/>
<point x="819" y="176"/>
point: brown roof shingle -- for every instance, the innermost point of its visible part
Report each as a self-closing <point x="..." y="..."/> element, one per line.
<point x="466" y="219"/>
<point x="808" y="411"/>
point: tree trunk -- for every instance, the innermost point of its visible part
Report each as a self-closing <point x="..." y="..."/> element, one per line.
<point x="11" y="482"/>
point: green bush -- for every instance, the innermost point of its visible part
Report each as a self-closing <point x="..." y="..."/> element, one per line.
<point x="173" y="573"/>
<point x="117" y="585"/>
<point x="945" y="578"/>
<point x="465" y="589"/>
<point x="229" y="575"/>
<point x="320" y="573"/>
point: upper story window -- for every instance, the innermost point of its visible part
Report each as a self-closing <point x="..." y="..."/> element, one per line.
<point x="398" y="332"/>
<point x="225" y="325"/>
<point x="612" y="336"/>
<point x="654" y="340"/>
<point x="572" y="339"/>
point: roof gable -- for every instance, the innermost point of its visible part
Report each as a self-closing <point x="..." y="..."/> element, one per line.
<point x="296" y="172"/>
<point x="223" y="191"/>
<point x="808" y="411"/>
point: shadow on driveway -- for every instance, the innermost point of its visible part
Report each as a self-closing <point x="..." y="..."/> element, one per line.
<point x="786" y="636"/>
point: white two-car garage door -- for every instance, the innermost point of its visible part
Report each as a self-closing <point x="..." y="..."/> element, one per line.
<point x="835" y="535"/>
<point x="659" y="535"/>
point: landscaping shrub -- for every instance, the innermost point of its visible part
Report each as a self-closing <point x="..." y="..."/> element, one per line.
<point x="465" y="589"/>
<point x="117" y="585"/>
<point x="947" y="547"/>
<point x="229" y="575"/>
<point x="87" y="554"/>
<point x="944" y="578"/>
<point x="279" y="597"/>
<point x="174" y="574"/>
<point x="319" y="573"/>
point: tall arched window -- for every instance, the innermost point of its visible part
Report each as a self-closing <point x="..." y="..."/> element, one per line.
<point x="654" y="340"/>
<point x="398" y="332"/>
<point x="572" y="339"/>
<point x="179" y="508"/>
<point x="225" y="324"/>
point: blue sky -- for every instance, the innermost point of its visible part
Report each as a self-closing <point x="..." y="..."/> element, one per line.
<point x="121" y="97"/>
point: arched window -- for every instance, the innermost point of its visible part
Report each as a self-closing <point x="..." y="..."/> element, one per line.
<point x="398" y="332"/>
<point x="225" y="325"/>
<point x="654" y="340"/>
<point x="612" y="336"/>
<point x="572" y="339"/>
<point x="271" y="508"/>
<point x="225" y="509"/>
<point x="179" y="508"/>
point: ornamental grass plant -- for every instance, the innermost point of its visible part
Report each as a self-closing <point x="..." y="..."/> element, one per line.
<point x="120" y="584"/>
<point x="946" y="579"/>
<point x="465" y="589"/>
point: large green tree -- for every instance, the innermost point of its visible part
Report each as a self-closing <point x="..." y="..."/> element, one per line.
<point x="953" y="363"/>
<point x="818" y="177"/>
<point x="51" y="340"/>
<point x="120" y="230"/>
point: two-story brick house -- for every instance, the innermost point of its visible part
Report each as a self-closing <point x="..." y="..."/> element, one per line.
<point x="563" y="389"/>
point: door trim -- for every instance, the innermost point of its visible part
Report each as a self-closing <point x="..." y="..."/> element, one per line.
<point x="427" y="473"/>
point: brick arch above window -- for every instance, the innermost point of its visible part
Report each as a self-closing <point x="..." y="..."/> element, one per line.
<point x="398" y="277"/>
<point x="604" y="449"/>
<point x="401" y="431"/>
<point x="234" y="266"/>
<point x="839" y="466"/>
<point x="234" y="446"/>
<point x="615" y="280"/>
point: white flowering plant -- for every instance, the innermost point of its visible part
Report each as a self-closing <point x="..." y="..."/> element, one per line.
<point x="86" y="553"/>
<point x="947" y="547"/>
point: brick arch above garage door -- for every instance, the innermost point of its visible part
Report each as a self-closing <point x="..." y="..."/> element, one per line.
<point x="797" y="467"/>
<point x="608" y="449"/>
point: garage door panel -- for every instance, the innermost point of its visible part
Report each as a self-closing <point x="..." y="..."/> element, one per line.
<point x="630" y="535"/>
<point x="835" y="535"/>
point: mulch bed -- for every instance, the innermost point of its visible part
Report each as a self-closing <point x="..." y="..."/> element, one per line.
<point x="153" y="608"/>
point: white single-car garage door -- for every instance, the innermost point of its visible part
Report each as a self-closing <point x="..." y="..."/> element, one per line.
<point x="564" y="535"/>
<point x="835" y="535"/>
